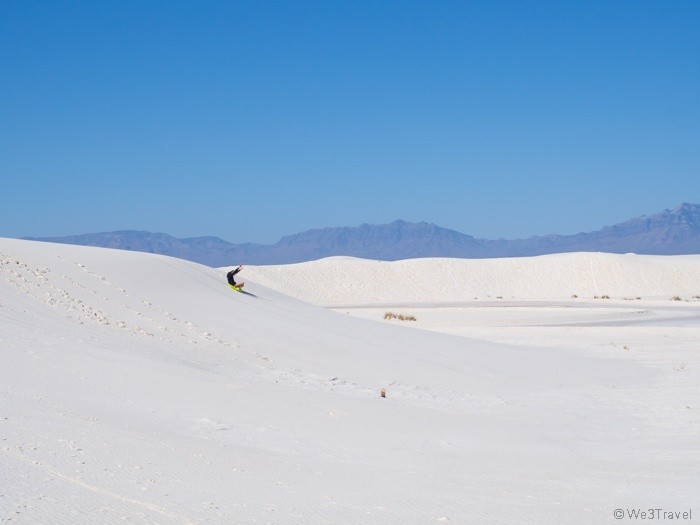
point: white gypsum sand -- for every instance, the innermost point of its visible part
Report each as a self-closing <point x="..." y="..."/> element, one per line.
<point x="142" y="388"/>
<point x="341" y="281"/>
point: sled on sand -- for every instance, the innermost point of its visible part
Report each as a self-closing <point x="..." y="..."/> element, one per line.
<point x="239" y="288"/>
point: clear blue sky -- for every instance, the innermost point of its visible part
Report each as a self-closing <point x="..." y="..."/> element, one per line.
<point x="250" y="120"/>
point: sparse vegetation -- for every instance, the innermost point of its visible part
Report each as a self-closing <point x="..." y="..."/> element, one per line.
<point x="676" y="298"/>
<point x="574" y="296"/>
<point x="601" y="297"/>
<point x="400" y="317"/>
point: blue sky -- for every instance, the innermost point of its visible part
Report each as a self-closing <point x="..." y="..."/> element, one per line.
<point x="257" y="119"/>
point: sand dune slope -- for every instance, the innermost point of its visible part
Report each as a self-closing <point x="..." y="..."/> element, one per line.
<point x="338" y="281"/>
<point x="141" y="388"/>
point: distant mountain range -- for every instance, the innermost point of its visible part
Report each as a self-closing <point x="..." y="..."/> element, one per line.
<point x="671" y="232"/>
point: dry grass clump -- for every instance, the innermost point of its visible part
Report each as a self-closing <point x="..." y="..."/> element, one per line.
<point x="400" y="317"/>
<point x="602" y="297"/>
<point x="676" y="298"/>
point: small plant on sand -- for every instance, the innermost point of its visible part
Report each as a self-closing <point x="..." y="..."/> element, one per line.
<point x="602" y="297"/>
<point x="574" y="296"/>
<point x="676" y="298"/>
<point x="400" y="317"/>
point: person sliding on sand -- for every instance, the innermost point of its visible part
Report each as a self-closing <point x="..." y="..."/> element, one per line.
<point x="230" y="275"/>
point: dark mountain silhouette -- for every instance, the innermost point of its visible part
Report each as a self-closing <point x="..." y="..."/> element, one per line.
<point x="671" y="232"/>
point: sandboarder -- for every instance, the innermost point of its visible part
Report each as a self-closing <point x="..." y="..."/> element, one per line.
<point x="230" y="278"/>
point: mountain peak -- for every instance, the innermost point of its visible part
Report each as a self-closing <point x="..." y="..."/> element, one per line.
<point x="691" y="212"/>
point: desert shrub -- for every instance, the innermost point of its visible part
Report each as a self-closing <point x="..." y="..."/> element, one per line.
<point x="676" y="298"/>
<point x="400" y="317"/>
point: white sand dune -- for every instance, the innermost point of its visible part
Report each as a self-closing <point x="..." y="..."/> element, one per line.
<point x="140" y="388"/>
<point x="340" y="281"/>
